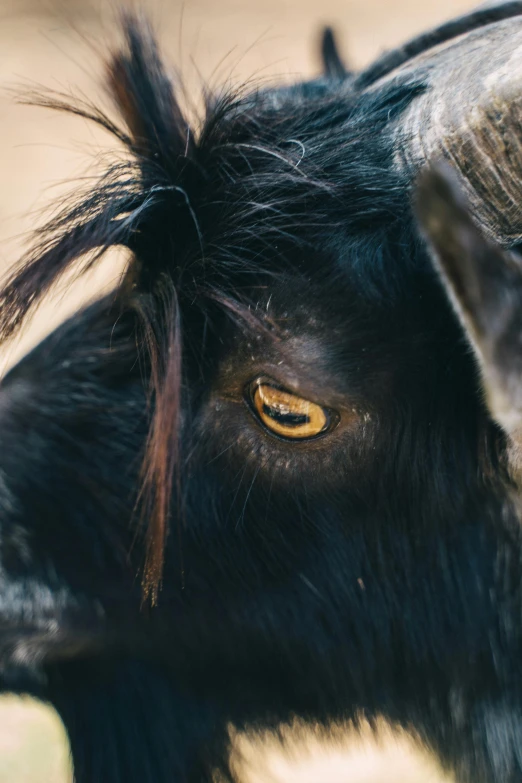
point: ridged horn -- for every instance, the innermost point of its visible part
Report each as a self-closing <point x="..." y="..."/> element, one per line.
<point x="470" y="113"/>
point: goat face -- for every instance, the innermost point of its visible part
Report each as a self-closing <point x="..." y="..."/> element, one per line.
<point x="282" y="373"/>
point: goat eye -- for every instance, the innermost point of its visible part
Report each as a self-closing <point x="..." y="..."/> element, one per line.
<point x="286" y="415"/>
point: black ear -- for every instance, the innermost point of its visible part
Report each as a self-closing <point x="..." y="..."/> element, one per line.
<point x="333" y="65"/>
<point x="484" y="284"/>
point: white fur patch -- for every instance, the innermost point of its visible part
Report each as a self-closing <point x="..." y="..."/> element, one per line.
<point x="306" y="754"/>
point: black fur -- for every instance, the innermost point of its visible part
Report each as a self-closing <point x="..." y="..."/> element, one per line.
<point x="334" y="67"/>
<point x="373" y="571"/>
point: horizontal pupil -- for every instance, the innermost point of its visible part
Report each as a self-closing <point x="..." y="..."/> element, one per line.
<point x="287" y="419"/>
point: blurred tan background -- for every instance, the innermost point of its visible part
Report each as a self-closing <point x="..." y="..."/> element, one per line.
<point x="54" y="44"/>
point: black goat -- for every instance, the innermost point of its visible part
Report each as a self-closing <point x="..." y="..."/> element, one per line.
<point x="282" y="375"/>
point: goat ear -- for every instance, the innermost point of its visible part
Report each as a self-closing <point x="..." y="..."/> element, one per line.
<point x="484" y="284"/>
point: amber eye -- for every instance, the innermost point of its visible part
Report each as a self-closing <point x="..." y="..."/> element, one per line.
<point x="287" y="415"/>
